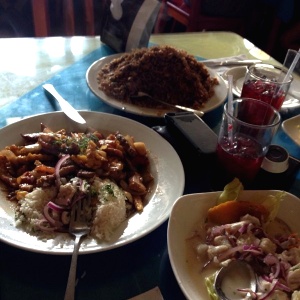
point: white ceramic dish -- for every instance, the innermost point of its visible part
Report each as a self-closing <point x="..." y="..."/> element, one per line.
<point x="291" y="127"/>
<point x="238" y="77"/>
<point x="191" y="209"/>
<point x="91" y="78"/>
<point x="166" y="168"/>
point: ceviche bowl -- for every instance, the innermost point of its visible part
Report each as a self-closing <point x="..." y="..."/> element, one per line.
<point x="190" y="213"/>
<point x="165" y="166"/>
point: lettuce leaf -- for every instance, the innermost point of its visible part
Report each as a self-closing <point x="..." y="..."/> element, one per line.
<point x="231" y="191"/>
<point x="272" y="204"/>
<point x="209" y="282"/>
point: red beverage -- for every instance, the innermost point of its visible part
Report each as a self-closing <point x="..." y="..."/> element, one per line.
<point x="242" y="158"/>
<point x="265" y="91"/>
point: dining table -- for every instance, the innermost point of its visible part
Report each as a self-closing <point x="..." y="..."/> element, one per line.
<point x="144" y="264"/>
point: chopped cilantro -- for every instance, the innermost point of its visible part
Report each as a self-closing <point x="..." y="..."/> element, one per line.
<point x="81" y="141"/>
<point x="108" y="189"/>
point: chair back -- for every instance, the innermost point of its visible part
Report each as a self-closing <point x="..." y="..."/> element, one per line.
<point x="206" y="15"/>
<point x="42" y="20"/>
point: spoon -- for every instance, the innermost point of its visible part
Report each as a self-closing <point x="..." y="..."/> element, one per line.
<point x="236" y="275"/>
<point x="197" y="112"/>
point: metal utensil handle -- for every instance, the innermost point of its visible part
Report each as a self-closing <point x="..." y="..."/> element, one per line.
<point x="70" y="289"/>
<point x="66" y="107"/>
<point x="197" y="112"/>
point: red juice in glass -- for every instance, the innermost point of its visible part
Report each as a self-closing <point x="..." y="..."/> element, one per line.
<point x="265" y="91"/>
<point x="242" y="157"/>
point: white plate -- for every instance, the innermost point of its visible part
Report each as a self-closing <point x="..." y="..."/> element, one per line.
<point x="166" y="168"/>
<point x="291" y="127"/>
<point x="91" y="78"/>
<point x="238" y="77"/>
<point x="191" y="209"/>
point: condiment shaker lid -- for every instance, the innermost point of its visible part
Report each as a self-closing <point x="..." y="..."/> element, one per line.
<point x="276" y="160"/>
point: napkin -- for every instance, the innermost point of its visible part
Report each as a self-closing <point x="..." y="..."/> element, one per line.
<point x="221" y="69"/>
<point x="153" y="294"/>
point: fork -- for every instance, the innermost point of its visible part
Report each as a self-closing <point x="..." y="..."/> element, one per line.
<point x="79" y="227"/>
<point x="180" y="107"/>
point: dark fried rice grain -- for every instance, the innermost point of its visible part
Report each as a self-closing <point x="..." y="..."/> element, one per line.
<point x="160" y="71"/>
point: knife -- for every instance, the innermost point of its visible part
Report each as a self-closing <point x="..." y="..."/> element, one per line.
<point x="246" y="62"/>
<point x="65" y="106"/>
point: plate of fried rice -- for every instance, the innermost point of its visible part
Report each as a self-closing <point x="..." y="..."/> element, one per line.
<point x="115" y="149"/>
<point x="162" y="72"/>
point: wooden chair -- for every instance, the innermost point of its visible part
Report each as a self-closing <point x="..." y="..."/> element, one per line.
<point x="41" y="17"/>
<point x="194" y="18"/>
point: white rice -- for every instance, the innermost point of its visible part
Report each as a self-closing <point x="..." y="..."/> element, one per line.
<point x="111" y="209"/>
<point x="31" y="207"/>
<point x="109" y="214"/>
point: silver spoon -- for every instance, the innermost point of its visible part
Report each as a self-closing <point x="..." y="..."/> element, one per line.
<point x="195" y="111"/>
<point x="237" y="274"/>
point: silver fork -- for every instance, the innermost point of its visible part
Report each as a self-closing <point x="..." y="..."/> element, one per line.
<point x="79" y="227"/>
<point x="180" y="107"/>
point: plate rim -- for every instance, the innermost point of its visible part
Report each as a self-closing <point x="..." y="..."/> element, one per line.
<point x="135" y="109"/>
<point x="92" y="114"/>
<point x="286" y="123"/>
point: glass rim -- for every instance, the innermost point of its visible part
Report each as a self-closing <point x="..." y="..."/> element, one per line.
<point x="275" y="123"/>
<point x="270" y="66"/>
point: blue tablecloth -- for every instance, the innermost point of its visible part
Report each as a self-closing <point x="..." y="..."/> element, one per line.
<point x="70" y="82"/>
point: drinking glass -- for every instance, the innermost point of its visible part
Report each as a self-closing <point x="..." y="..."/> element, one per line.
<point x="243" y="141"/>
<point x="267" y="83"/>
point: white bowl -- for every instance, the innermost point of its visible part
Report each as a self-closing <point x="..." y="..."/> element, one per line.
<point x="291" y="127"/>
<point x="190" y="210"/>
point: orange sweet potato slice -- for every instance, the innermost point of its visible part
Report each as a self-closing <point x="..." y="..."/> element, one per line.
<point x="232" y="211"/>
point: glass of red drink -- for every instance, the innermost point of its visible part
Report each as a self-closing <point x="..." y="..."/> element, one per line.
<point x="242" y="144"/>
<point x="267" y="83"/>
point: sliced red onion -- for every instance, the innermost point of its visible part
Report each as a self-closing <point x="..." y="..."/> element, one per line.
<point x="57" y="168"/>
<point x="270" y="291"/>
<point x="230" y="252"/>
<point x="283" y="287"/>
<point x="44" y="226"/>
<point x="252" y="249"/>
<point x="243" y="228"/>
<point x="50" y="219"/>
<point x="56" y="207"/>
<point x="272" y="260"/>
